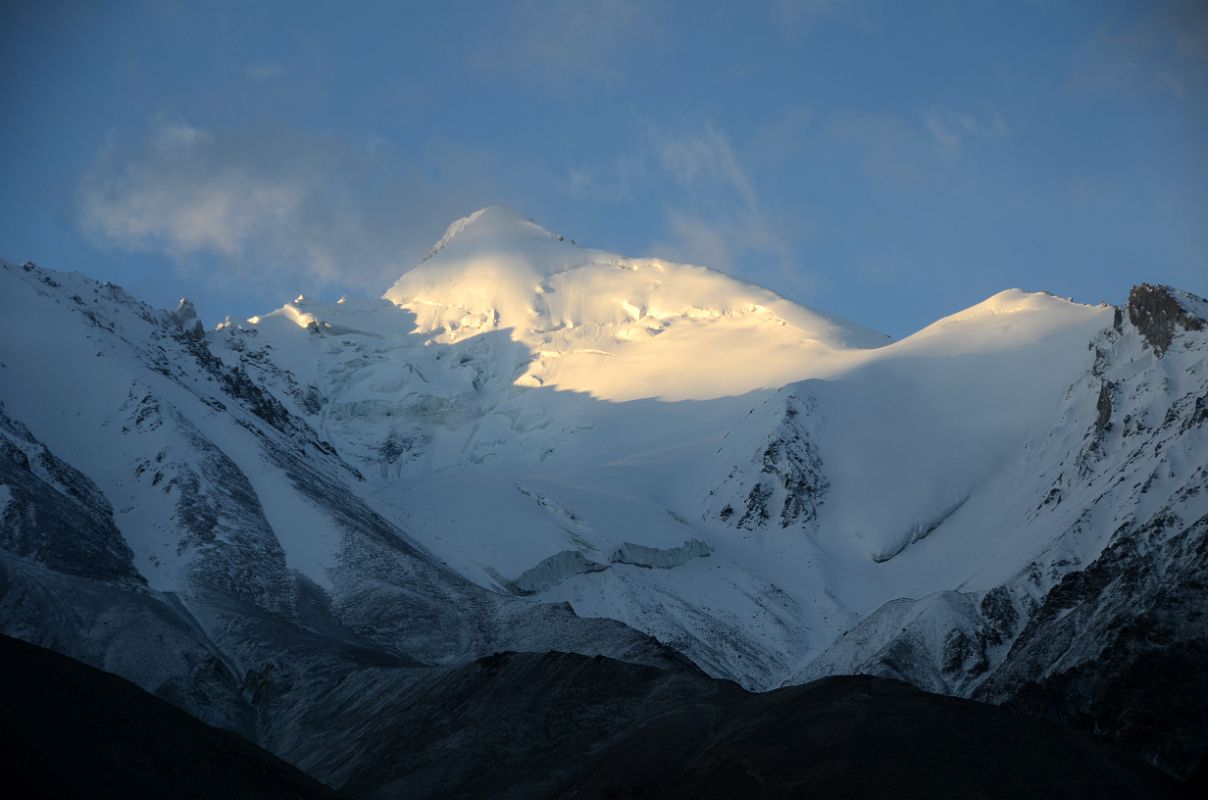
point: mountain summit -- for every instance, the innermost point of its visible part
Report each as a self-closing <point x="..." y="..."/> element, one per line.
<point x="614" y="327"/>
<point x="496" y="227"/>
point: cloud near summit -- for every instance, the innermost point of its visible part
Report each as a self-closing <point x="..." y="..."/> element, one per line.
<point x="274" y="204"/>
<point x="291" y="209"/>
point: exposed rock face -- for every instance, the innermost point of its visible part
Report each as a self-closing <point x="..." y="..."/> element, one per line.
<point x="1104" y="407"/>
<point x="568" y="563"/>
<point x="1159" y="312"/>
<point x="791" y="482"/>
<point x="185" y="316"/>
<point x="1121" y="648"/>
<point x="53" y="512"/>
<point x="939" y="643"/>
<point x="555" y="569"/>
<point x="661" y="558"/>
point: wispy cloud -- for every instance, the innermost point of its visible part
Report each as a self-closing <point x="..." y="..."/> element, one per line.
<point x="888" y="148"/>
<point x="706" y="159"/>
<point x="951" y="128"/>
<point x="782" y="139"/>
<point x="718" y="219"/>
<point x="280" y="206"/>
<point x="1163" y="49"/>
<point x="562" y="45"/>
<point x="797" y="18"/>
<point x="741" y="244"/>
<point x="617" y="180"/>
<point x="713" y="214"/>
<point x="264" y="70"/>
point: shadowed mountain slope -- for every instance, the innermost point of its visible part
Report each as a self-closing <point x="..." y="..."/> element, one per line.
<point x="564" y="725"/>
<point x="527" y="725"/>
<point x="68" y="730"/>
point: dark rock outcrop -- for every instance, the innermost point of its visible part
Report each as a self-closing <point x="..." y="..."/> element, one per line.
<point x="1121" y="647"/>
<point x="791" y="484"/>
<point x="1156" y="311"/>
<point x="1104" y="407"/>
<point x="52" y="513"/>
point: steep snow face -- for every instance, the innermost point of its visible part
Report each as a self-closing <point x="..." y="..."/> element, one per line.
<point x="880" y="455"/>
<point x="1087" y="549"/>
<point x="616" y="328"/>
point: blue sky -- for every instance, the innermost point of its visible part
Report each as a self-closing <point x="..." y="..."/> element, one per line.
<point x="888" y="162"/>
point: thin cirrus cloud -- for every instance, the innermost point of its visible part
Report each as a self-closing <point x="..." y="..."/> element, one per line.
<point x="951" y="128"/>
<point x="712" y="211"/>
<point x="278" y="206"/>
<point x="564" y="45"/>
<point x="706" y="158"/>
<point x="1160" y="50"/>
<point x="717" y="219"/>
<point x="797" y="18"/>
<point x="264" y="70"/>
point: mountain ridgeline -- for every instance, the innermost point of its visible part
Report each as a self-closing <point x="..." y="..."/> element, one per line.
<point x="317" y="526"/>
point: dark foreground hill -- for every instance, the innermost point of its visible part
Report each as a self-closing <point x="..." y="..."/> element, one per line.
<point x="68" y="730"/>
<point x="570" y="726"/>
<point x="562" y="725"/>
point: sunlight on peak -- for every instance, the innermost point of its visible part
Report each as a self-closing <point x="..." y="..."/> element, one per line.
<point x="301" y="318"/>
<point x="612" y="326"/>
<point x="1014" y="303"/>
<point x="619" y="328"/>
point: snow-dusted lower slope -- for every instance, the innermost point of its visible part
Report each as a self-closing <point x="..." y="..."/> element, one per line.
<point x="529" y="445"/>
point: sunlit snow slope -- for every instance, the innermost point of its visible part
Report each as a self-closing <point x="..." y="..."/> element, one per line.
<point x="615" y="327"/>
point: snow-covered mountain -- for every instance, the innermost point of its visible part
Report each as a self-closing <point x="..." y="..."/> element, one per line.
<point x="529" y="445"/>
